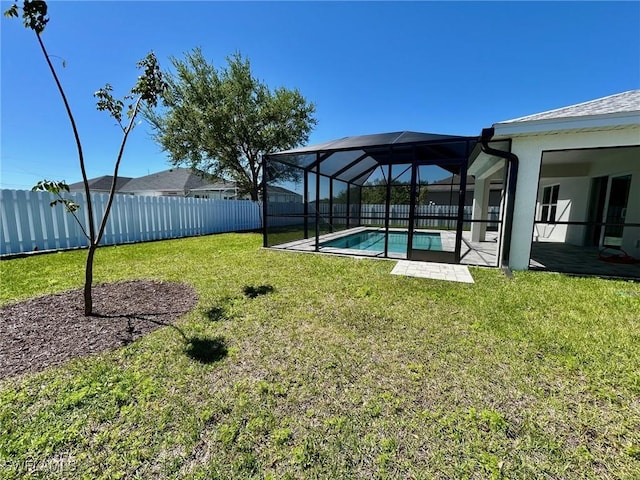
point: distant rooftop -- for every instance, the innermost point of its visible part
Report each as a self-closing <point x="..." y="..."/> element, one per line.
<point x="99" y="184"/>
<point x="618" y="103"/>
<point x="175" y="179"/>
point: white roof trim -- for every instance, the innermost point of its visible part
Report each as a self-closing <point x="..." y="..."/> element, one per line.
<point x="602" y="121"/>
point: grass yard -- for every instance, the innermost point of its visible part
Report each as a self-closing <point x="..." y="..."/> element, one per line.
<point x="334" y="369"/>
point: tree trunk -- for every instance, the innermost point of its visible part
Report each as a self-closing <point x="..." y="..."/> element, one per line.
<point x="88" y="280"/>
<point x="255" y="186"/>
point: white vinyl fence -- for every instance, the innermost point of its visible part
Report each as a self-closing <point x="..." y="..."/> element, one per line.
<point x="374" y="214"/>
<point x="28" y="223"/>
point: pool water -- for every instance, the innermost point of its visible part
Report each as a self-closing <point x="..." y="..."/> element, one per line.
<point x="373" y="241"/>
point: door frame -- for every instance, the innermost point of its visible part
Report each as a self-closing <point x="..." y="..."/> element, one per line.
<point x="429" y="255"/>
<point x="605" y="210"/>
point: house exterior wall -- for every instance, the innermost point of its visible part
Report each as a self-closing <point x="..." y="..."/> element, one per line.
<point x="529" y="150"/>
<point x="156" y="193"/>
<point x="230" y="194"/>
<point x="284" y="197"/>
<point x="573" y="203"/>
<point x="443" y="198"/>
<point x="227" y="194"/>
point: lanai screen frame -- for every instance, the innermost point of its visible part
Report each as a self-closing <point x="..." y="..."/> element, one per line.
<point x="363" y="155"/>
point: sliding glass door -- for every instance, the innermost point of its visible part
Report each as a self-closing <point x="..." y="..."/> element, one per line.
<point x="616" y="211"/>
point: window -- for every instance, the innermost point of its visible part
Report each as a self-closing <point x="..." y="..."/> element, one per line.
<point x="549" y="203"/>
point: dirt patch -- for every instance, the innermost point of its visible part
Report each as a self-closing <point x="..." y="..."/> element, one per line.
<point x="52" y="329"/>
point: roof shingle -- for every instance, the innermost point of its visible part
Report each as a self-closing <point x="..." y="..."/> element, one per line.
<point x="175" y="180"/>
<point x="100" y="184"/>
<point x="618" y="103"/>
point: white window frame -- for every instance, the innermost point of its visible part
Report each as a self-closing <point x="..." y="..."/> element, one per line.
<point x="549" y="204"/>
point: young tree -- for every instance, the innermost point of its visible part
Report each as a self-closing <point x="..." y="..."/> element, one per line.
<point x="145" y="92"/>
<point x="224" y="121"/>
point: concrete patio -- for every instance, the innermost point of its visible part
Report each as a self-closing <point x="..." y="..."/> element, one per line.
<point x="565" y="258"/>
<point x="472" y="253"/>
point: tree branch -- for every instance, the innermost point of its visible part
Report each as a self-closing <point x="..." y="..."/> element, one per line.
<point x="112" y="191"/>
<point x="76" y="136"/>
<point x="72" y="212"/>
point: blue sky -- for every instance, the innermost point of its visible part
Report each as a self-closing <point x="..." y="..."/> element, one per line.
<point x="370" y="67"/>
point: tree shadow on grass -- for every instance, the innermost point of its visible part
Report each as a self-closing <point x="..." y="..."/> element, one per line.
<point x="215" y="314"/>
<point x="253" y="292"/>
<point x="146" y="317"/>
<point x="206" y="350"/>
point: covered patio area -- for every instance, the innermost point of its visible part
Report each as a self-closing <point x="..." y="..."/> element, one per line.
<point x="579" y="260"/>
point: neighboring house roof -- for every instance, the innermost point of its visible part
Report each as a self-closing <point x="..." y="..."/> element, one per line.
<point x="275" y="189"/>
<point x="219" y="185"/>
<point x="445" y="184"/>
<point x="228" y="185"/>
<point x="613" y="111"/>
<point x="177" y="179"/>
<point x="99" y="184"/>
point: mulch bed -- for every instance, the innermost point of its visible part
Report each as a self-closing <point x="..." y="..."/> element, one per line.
<point x="52" y="329"/>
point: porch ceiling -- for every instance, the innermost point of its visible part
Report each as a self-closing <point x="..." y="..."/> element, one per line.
<point x="591" y="155"/>
<point x="482" y="165"/>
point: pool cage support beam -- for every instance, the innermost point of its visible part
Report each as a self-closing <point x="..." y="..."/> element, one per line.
<point x="331" y="204"/>
<point x="350" y="165"/>
<point x="317" y="246"/>
<point x="320" y="157"/>
<point x="462" y="190"/>
<point x="387" y="207"/>
<point x="264" y="201"/>
<point x="412" y="208"/>
<point x="306" y="205"/>
<point x="348" y="205"/>
<point x="366" y="173"/>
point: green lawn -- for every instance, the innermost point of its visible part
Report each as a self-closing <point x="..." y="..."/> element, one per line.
<point x="336" y="369"/>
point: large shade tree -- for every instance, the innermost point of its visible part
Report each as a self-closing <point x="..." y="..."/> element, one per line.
<point x="223" y="121"/>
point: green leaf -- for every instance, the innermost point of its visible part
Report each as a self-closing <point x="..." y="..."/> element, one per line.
<point x="70" y="205"/>
<point x="51" y="186"/>
<point x="108" y="102"/>
<point x="34" y="15"/>
<point x="12" y="11"/>
<point x="150" y="85"/>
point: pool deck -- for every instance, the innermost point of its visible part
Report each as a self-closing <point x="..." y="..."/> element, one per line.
<point x="472" y="253"/>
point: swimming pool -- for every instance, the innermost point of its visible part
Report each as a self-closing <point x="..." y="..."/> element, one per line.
<point x="373" y="241"/>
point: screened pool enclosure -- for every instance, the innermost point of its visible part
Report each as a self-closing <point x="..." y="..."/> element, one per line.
<point x="402" y="195"/>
